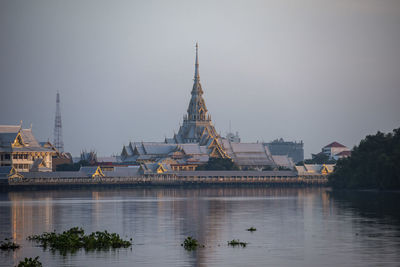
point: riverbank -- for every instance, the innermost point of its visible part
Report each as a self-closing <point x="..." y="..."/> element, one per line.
<point x="192" y="178"/>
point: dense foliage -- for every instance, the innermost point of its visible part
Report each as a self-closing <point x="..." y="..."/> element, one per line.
<point x="320" y="158"/>
<point x="218" y="164"/>
<point x="374" y="164"/>
<point x="75" y="238"/>
<point x="29" y="262"/>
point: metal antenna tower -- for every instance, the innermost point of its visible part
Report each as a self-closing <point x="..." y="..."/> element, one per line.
<point x="58" y="140"/>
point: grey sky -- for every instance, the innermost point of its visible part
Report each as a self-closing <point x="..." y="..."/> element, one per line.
<point x="317" y="71"/>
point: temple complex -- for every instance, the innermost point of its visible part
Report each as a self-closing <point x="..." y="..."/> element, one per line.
<point x="196" y="141"/>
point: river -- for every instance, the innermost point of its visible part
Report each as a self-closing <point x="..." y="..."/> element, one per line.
<point x="295" y="226"/>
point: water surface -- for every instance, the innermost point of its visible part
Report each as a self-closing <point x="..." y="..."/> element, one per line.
<point x="295" y="227"/>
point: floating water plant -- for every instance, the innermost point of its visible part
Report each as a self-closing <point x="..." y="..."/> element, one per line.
<point x="237" y="242"/>
<point x="191" y="243"/>
<point x="29" y="262"/>
<point x="251" y="229"/>
<point x="8" y="245"/>
<point x="75" y="238"/>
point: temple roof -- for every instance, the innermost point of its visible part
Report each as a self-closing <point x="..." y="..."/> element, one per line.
<point x="248" y="154"/>
<point x="197" y="126"/>
<point x="10" y="135"/>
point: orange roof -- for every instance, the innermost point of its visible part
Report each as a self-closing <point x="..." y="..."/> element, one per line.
<point x="335" y="144"/>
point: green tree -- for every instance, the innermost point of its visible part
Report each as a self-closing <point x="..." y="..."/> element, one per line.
<point x="218" y="164"/>
<point x="73" y="166"/>
<point x="320" y="158"/>
<point x="374" y="163"/>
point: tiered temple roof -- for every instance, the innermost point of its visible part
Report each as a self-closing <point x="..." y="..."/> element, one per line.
<point x="13" y="138"/>
<point x="197" y="126"/>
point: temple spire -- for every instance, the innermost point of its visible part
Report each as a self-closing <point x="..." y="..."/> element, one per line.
<point x="196" y="69"/>
<point x="197" y="126"/>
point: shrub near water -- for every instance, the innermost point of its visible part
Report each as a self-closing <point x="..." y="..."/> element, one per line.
<point x="75" y="238"/>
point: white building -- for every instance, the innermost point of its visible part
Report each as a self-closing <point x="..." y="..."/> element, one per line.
<point x="20" y="149"/>
<point x="336" y="151"/>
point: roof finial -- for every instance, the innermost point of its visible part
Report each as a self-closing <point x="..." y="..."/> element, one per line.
<point x="196" y="70"/>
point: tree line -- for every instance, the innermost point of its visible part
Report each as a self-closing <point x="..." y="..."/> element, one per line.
<point x="373" y="164"/>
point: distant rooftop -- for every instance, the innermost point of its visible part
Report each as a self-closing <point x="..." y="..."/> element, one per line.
<point x="334" y="144"/>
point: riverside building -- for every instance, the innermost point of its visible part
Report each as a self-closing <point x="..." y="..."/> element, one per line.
<point x="294" y="150"/>
<point x="20" y="150"/>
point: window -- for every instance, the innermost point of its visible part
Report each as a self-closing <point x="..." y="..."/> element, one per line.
<point x="26" y="166"/>
<point x="15" y="156"/>
<point x="25" y="156"/>
<point x="7" y="156"/>
<point x="20" y="156"/>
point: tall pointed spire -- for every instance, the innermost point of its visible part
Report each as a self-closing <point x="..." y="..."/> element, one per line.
<point x="197" y="126"/>
<point x="197" y="110"/>
<point x="196" y="65"/>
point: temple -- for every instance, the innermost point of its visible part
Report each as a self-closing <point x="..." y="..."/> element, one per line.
<point x="197" y="126"/>
<point x="196" y="141"/>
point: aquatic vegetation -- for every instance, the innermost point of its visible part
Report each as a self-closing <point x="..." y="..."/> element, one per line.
<point x="237" y="242"/>
<point x="75" y="238"/>
<point x="251" y="229"/>
<point x="8" y="245"/>
<point x="29" y="262"/>
<point x="191" y="243"/>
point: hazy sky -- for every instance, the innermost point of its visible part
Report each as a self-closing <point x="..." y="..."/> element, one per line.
<point x="317" y="71"/>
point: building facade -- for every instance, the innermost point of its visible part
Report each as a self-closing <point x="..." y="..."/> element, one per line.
<point x="294" y="150"/>
<point x="336" y="151"/>
<point x="20" y="150"/>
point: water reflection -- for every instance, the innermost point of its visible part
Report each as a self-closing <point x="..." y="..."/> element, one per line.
<point x="370" y="204"/>
<point x="375" y="219"/>
<point x="295" y="226"/>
